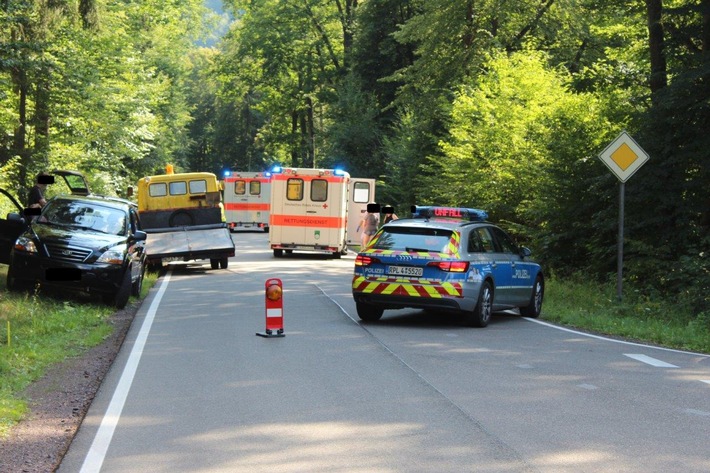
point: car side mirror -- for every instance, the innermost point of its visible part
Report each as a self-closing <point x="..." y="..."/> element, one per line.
<point x="525" y="252"/>
<point x="15" y="217"/>
<point x="140" y="235"/>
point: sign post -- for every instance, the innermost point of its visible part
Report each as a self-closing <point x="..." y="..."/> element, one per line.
<point x="623" y="157"/>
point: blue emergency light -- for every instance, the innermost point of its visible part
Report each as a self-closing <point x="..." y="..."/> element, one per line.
<point x="277" y="169"/>
<point x="339" y="172"/>
<point x="458" y="213"/>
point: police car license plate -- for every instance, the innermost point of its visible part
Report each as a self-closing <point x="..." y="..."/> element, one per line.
<point x="405" y="271"/>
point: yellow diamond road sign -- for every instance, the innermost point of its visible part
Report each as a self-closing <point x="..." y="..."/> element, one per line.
<point x="624" y="156"/>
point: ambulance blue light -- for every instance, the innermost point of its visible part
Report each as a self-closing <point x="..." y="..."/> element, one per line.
<point x="227" y="173"/>
<point x="276" y="169"/>
<point x="459" y="213"/>
<point x="339" y="172"/>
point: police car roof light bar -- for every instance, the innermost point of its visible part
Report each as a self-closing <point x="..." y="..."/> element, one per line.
<point x="460" y="213"/>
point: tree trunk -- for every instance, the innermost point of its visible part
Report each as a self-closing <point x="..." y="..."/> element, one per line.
<point x="659" y="78"/>
<point x="294" y="134"/>
<point x="705" y="12"/>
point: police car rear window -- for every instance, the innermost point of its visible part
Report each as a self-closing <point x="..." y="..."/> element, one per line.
<point x="434" y="240"/>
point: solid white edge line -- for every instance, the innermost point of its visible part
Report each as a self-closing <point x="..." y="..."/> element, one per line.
<point x="623" y="342"/>
<point x="97" y="452"/>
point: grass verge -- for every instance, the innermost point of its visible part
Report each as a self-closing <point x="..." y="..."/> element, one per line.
<point x="37" y="331"/>
<point x="595" y="308"/>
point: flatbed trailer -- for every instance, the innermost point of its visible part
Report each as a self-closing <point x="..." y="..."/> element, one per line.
<point x="194" y="242"/>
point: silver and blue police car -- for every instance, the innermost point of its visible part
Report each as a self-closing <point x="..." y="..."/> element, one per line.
<point x="446" y="258"/>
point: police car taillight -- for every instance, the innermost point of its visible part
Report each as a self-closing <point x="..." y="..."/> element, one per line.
<point x="364" y="260"/>
<point x="450" y="266"/>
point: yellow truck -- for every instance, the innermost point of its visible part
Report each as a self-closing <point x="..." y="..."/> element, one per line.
<point x="183" y="215"/>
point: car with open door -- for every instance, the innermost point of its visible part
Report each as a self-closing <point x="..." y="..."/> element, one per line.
<point x="78" y="242"/>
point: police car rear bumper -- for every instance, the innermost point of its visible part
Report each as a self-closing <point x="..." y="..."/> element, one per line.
<point x="401" y="302"/>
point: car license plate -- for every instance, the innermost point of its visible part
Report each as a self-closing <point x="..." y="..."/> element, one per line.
<point x="405" y="271"/>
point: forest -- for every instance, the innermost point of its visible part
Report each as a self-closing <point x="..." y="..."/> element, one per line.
<point x="503" y="105"/>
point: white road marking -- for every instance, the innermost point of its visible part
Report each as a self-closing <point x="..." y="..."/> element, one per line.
<point x="623" y="342"/>
<point x="706" y="381"/>
<point x="696" y="412"/>
<point x="97" y="453"/>
<point x="650" y="361"/>
<point x="588" y="387"/>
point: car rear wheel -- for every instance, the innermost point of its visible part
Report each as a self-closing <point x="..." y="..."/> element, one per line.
<point x="214" y="263"/>
<point x="368" y="312"/>
<point x="481" y="314"/>
<point x="224" y="262"/>
<point x="534" y="308"/>
<point x="278" y="253"/>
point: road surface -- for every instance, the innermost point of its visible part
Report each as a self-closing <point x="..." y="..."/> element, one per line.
<point x="196" y="390"/>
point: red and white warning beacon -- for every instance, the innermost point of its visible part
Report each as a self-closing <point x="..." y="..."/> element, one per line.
<point x="274" y="309"/>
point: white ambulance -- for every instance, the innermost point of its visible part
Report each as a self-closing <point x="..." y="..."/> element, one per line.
<point x="247" y="197"/>
<point x="314" y="210"/>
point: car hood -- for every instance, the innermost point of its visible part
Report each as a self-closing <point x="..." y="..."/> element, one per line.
<point x="74" y="236"/>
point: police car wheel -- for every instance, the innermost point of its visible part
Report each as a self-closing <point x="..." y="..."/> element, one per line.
<point x="534" y="308"/>
<point x="368" y="313"/>
<point x="481" y="314"/>
<point x="214" y="263"/>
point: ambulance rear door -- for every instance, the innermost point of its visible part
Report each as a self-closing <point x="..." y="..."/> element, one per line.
<point x="308" y="211"/>
<point x="361" y="191"/>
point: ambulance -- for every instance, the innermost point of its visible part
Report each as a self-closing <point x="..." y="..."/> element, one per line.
<point x="315" y="210"/>
<point x="247" y="197"/>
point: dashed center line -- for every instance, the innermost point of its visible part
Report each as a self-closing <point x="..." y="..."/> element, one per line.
<point x="650" y="361"/>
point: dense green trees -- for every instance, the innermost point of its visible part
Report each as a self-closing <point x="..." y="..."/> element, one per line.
<point x="498" y="104"/>
<point x="94" y="85"/>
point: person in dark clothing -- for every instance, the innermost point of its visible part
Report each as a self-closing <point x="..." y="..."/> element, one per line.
<point x="388" y="211"/>
<point x="36" y="198"/>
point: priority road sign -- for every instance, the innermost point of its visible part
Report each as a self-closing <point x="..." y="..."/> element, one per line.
<point x="623" y="156"/>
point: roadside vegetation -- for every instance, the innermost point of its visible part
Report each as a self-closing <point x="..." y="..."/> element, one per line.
<point x="37" y="331"/>
<point x="594" y="307"/>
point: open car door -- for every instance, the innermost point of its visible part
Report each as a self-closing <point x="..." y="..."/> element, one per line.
<point x="75" y="181"/>
<point x="11" y="226"/>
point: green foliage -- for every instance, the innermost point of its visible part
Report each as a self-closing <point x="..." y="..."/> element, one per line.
<point x="103" y="94"/>
<point x="37" y="331"/>
<point x="578" y="302"/>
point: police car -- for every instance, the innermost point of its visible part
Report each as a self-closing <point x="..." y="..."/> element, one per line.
<point x="446" y="258"/>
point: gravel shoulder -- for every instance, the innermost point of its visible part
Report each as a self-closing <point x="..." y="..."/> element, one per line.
<point x="58" y="403"/>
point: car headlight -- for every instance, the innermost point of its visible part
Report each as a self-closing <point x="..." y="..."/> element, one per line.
<point x="113" y="255"/>
<point x="25" y="244"/>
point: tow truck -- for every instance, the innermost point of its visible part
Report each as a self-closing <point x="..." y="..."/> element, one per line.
<point x="183" y="216"/>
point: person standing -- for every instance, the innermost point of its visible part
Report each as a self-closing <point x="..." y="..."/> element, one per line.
<point x="368" y="225"/>
<point x="36" y="198"/>
<point x="388" y="210"/>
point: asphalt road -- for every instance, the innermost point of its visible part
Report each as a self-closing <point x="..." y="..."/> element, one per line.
<point x="196" y="390"/>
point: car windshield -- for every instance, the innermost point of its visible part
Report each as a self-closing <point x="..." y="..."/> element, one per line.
<point x="84" y="215"/>
<point x="435" y="240"/>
